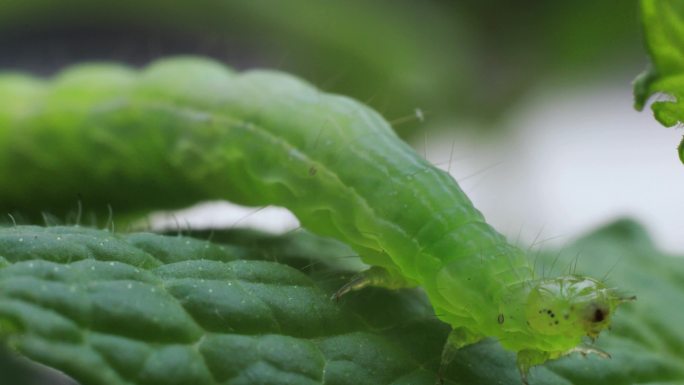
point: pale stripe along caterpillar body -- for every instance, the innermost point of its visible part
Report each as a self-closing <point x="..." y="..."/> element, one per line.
<point x="190" y="129"/>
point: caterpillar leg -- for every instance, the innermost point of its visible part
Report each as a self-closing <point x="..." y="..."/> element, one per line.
<point x="375" y="276"/>
<point x="586" y="350"/>
<point x="457" y="339"/>
<point x="529" y="358"/>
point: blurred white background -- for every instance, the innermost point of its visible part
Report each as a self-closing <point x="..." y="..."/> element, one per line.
<point x="574" y="161"/>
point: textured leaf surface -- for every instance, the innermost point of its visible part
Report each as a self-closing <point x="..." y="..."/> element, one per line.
<point x="646" y="341"/>
<point x="151" y="309"/>
<point x="664" y="32"/>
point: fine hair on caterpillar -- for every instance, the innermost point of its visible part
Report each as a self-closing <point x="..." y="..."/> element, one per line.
<point x="76" y="215"/>
<point x="265" y="138"/>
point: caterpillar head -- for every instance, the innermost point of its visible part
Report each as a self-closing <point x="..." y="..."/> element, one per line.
<point x="571" y="306"/>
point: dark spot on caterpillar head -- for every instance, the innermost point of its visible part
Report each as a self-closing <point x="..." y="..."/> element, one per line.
<point x="313" y="171"/>
<point x="500" y="319"/>
<point x="599" y="314"/>
<point x="556" y="322"/>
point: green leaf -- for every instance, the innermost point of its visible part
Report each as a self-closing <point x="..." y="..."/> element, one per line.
<point x="664" y="33"/>
<point x="151" y="309"/>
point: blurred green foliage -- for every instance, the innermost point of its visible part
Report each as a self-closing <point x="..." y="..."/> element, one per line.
<point x="466" y="59"/>
<point x="664" y="30"/>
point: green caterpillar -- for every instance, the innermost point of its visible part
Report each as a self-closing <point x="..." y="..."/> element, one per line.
<point x="187" y="129"/>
